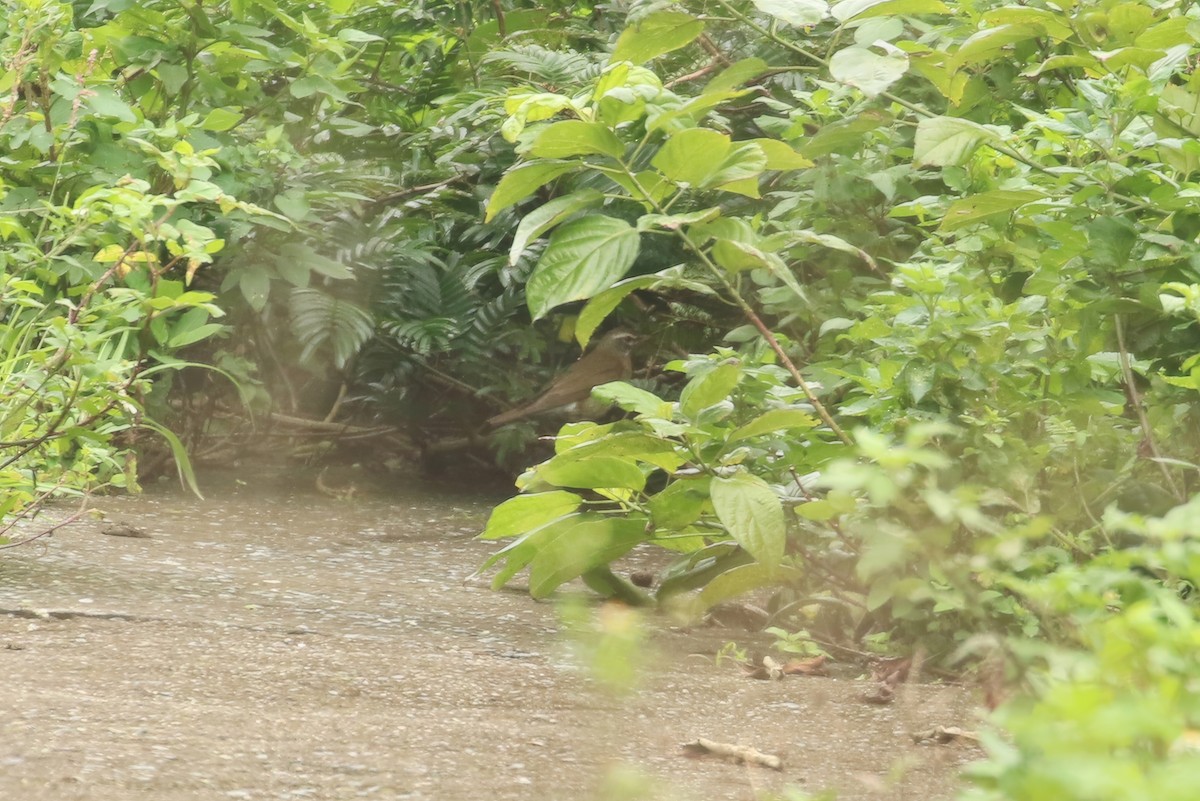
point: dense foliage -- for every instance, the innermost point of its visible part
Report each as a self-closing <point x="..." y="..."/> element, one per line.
<point x="917" y="281"/>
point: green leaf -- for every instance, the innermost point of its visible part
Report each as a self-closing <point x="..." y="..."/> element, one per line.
<point x="522" y="181"/>
<point x="656" y="34"/>
<point x="183" y="465"/>
<point x="739" y="580"/>
<point x="1055" y="25"/>
<point x="545" y="217"/>
<point x="712" y="387"/>
<point x="735" y="75"/>
<point x="584" y="257"/>
<point x="781" y="156"/>
<point x="104" y="102"/>
<point x="692" y="155"/>
<point x="633" y="399"/>
<point x="865" y="9"/>
<point x="751" y="513"/>
<point x="800" y="13"/>
<point x="673" y="222"/>
<point x="948" y="141"/>
<point x="528" y="512"/>
<point x="986" y="44"/>
<point x="737" y="256"/>
<point x="594" y="472"/>
<point x="866" y="70"/>
<point x="575" y="550"/>
<point x="577" y="138"/>
<point x="255" y="285"/>
<point x="599" y="307"/>
<point x="680" y="504"/>
<point x="979" y="207"/>
<point x="221" y="119"/>
<point x="774" y="420"/>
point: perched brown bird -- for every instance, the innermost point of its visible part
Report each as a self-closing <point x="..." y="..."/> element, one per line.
<point x="608" y="361"/>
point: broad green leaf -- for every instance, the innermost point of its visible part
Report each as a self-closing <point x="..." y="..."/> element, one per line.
<point x="865" y="9"/>
<point x="751" y="513"/>
<point x="739" y="580"/>
<point x="692" y="155"/>
<point x="690" y="113"/>
<point x="104" y="102"/>
<point x="866" y="70"/>
<point x="656" y="34"/>
<point x="774" y="420"/>
<point x="709" y="388"/>
<point x="845" y="135"/>
<point x="598" y="472"/>
<point x="221" y="119"/>
<point x="522" y="181"/>
<point x="737" y="256"/>
<point x="1086" y="61"/>
<point x="1167" y="34"/>
<point x="948" y="141"/>
<point x="521" y="551"/>
<point x="680" y="504"/>
<point x="1138" y="57"/>
<point x="528" y="512"/>
<point x="633" y="399"/>
<point x="987" y="44"/>
<point x="735" y="75"/>
<point x="193" y="335"/>
<point x="739" y="170"/>
<point x="973" y="209"/>
<point x="673" y="222"/>
<point x="800" y="13"/>
<point x="584" y="257"/>
<point x="599" y="307"/>
<point x="545" y="217"/>
<point x="1056" y="25"/>
<point x="577" y="138"/>
<point x="781" y="155"/>
<point x="255" y="285"/>
<point x="574" y="550"/>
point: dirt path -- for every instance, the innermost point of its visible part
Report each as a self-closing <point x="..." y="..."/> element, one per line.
<point x="264" y="646"/>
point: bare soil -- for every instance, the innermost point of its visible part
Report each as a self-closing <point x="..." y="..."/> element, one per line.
<point x="271" y="644"/>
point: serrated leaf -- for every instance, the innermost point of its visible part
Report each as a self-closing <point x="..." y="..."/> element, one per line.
<point x="655" y="35"/>
<point x="948" y="141"/>
<point x="577" y="138"/>
<point x="979" y="207"/>
<point x="545" y="217"/>
<point x="751" y="513"/>
<point x="584" y="257"/>
<point x="522" y="181"/>
<point x="870" y="72"/>
<point x="528" y="512"/>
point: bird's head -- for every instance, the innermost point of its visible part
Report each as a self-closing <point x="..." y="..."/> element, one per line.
<point x="618" y="340"/>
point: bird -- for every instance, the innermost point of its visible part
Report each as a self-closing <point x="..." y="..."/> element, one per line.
<point x="608" y="361"/>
